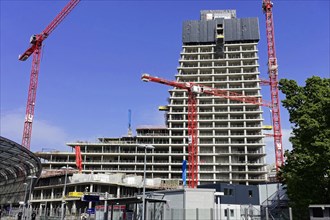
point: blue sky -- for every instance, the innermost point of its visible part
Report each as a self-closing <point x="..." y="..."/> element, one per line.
<point x="92" y="63"/>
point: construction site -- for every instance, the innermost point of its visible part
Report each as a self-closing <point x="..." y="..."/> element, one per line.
<point x="207" y="161"/>
<point x="213" y="116"/>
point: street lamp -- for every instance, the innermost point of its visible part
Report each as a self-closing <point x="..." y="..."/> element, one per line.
<point x="149" y="147"/>
<point x="24" y="199"/>
<point x="64" y="189"/>
<point x="30" y="195"/>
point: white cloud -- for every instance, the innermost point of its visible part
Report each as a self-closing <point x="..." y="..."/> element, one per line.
<point x="286" y="133"/>
<point x="44" y="133"/>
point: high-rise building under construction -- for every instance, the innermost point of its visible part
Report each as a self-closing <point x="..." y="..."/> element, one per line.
<point x="219" y="51"/>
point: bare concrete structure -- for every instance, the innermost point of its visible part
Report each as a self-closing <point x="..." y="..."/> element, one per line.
<point x="220" y="51"/>
<point x="46" y="198"/>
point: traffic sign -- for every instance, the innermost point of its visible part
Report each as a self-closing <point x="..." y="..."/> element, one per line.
<point x="91" y="211"/>
<point x="91" y="198"/>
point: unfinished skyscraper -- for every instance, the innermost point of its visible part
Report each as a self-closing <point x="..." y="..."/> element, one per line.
<point x="219" y="51"/>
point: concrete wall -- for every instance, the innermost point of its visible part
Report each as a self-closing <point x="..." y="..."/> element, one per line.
<point x="199" y="203"/>
<point x="189" y="203"/>
<point x="174" y="207"/>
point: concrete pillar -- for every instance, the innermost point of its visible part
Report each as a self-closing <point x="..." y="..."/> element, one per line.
<point x="118" y="192"/>
<point x="74" y="208"/>
<point x="90" y="190"/>
<point x="40" y="209"/>
<point x="52" y="194"/>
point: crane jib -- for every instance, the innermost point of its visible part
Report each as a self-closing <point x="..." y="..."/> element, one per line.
<point x="36" y="49"/>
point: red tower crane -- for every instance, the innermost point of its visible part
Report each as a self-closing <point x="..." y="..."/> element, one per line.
<point x="267" y="6"/>
<point x="194" y="89"/>
<point x="36" y="49"/>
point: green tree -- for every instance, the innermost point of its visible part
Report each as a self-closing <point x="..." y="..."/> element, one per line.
<point x="306" y="171"/>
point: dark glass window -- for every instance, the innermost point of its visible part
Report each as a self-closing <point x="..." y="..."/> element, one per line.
<point x="250" y="193"/>
<point x="317" y="212"/>
<point x="232" y="212"/>
<point x="228" y="192"/>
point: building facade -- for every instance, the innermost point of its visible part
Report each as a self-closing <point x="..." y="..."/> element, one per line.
<point x="219" y="51"/>
<point x="47" y="196"/>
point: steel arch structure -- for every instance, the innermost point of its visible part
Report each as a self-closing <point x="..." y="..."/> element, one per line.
<point x="16" y="164"/>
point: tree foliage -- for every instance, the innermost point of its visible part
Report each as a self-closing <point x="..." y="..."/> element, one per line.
<point x="306" y="171"/>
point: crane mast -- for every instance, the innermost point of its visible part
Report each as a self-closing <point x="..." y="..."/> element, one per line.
<point x="36" y="49"/>
<point x="192" y="140"/>
<point x="267" y="6"/>
<point x="192" y="124"/>
<point x="129" y="133"/>
<point x="78" y="158"/>
<point x="194" y="89"/>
